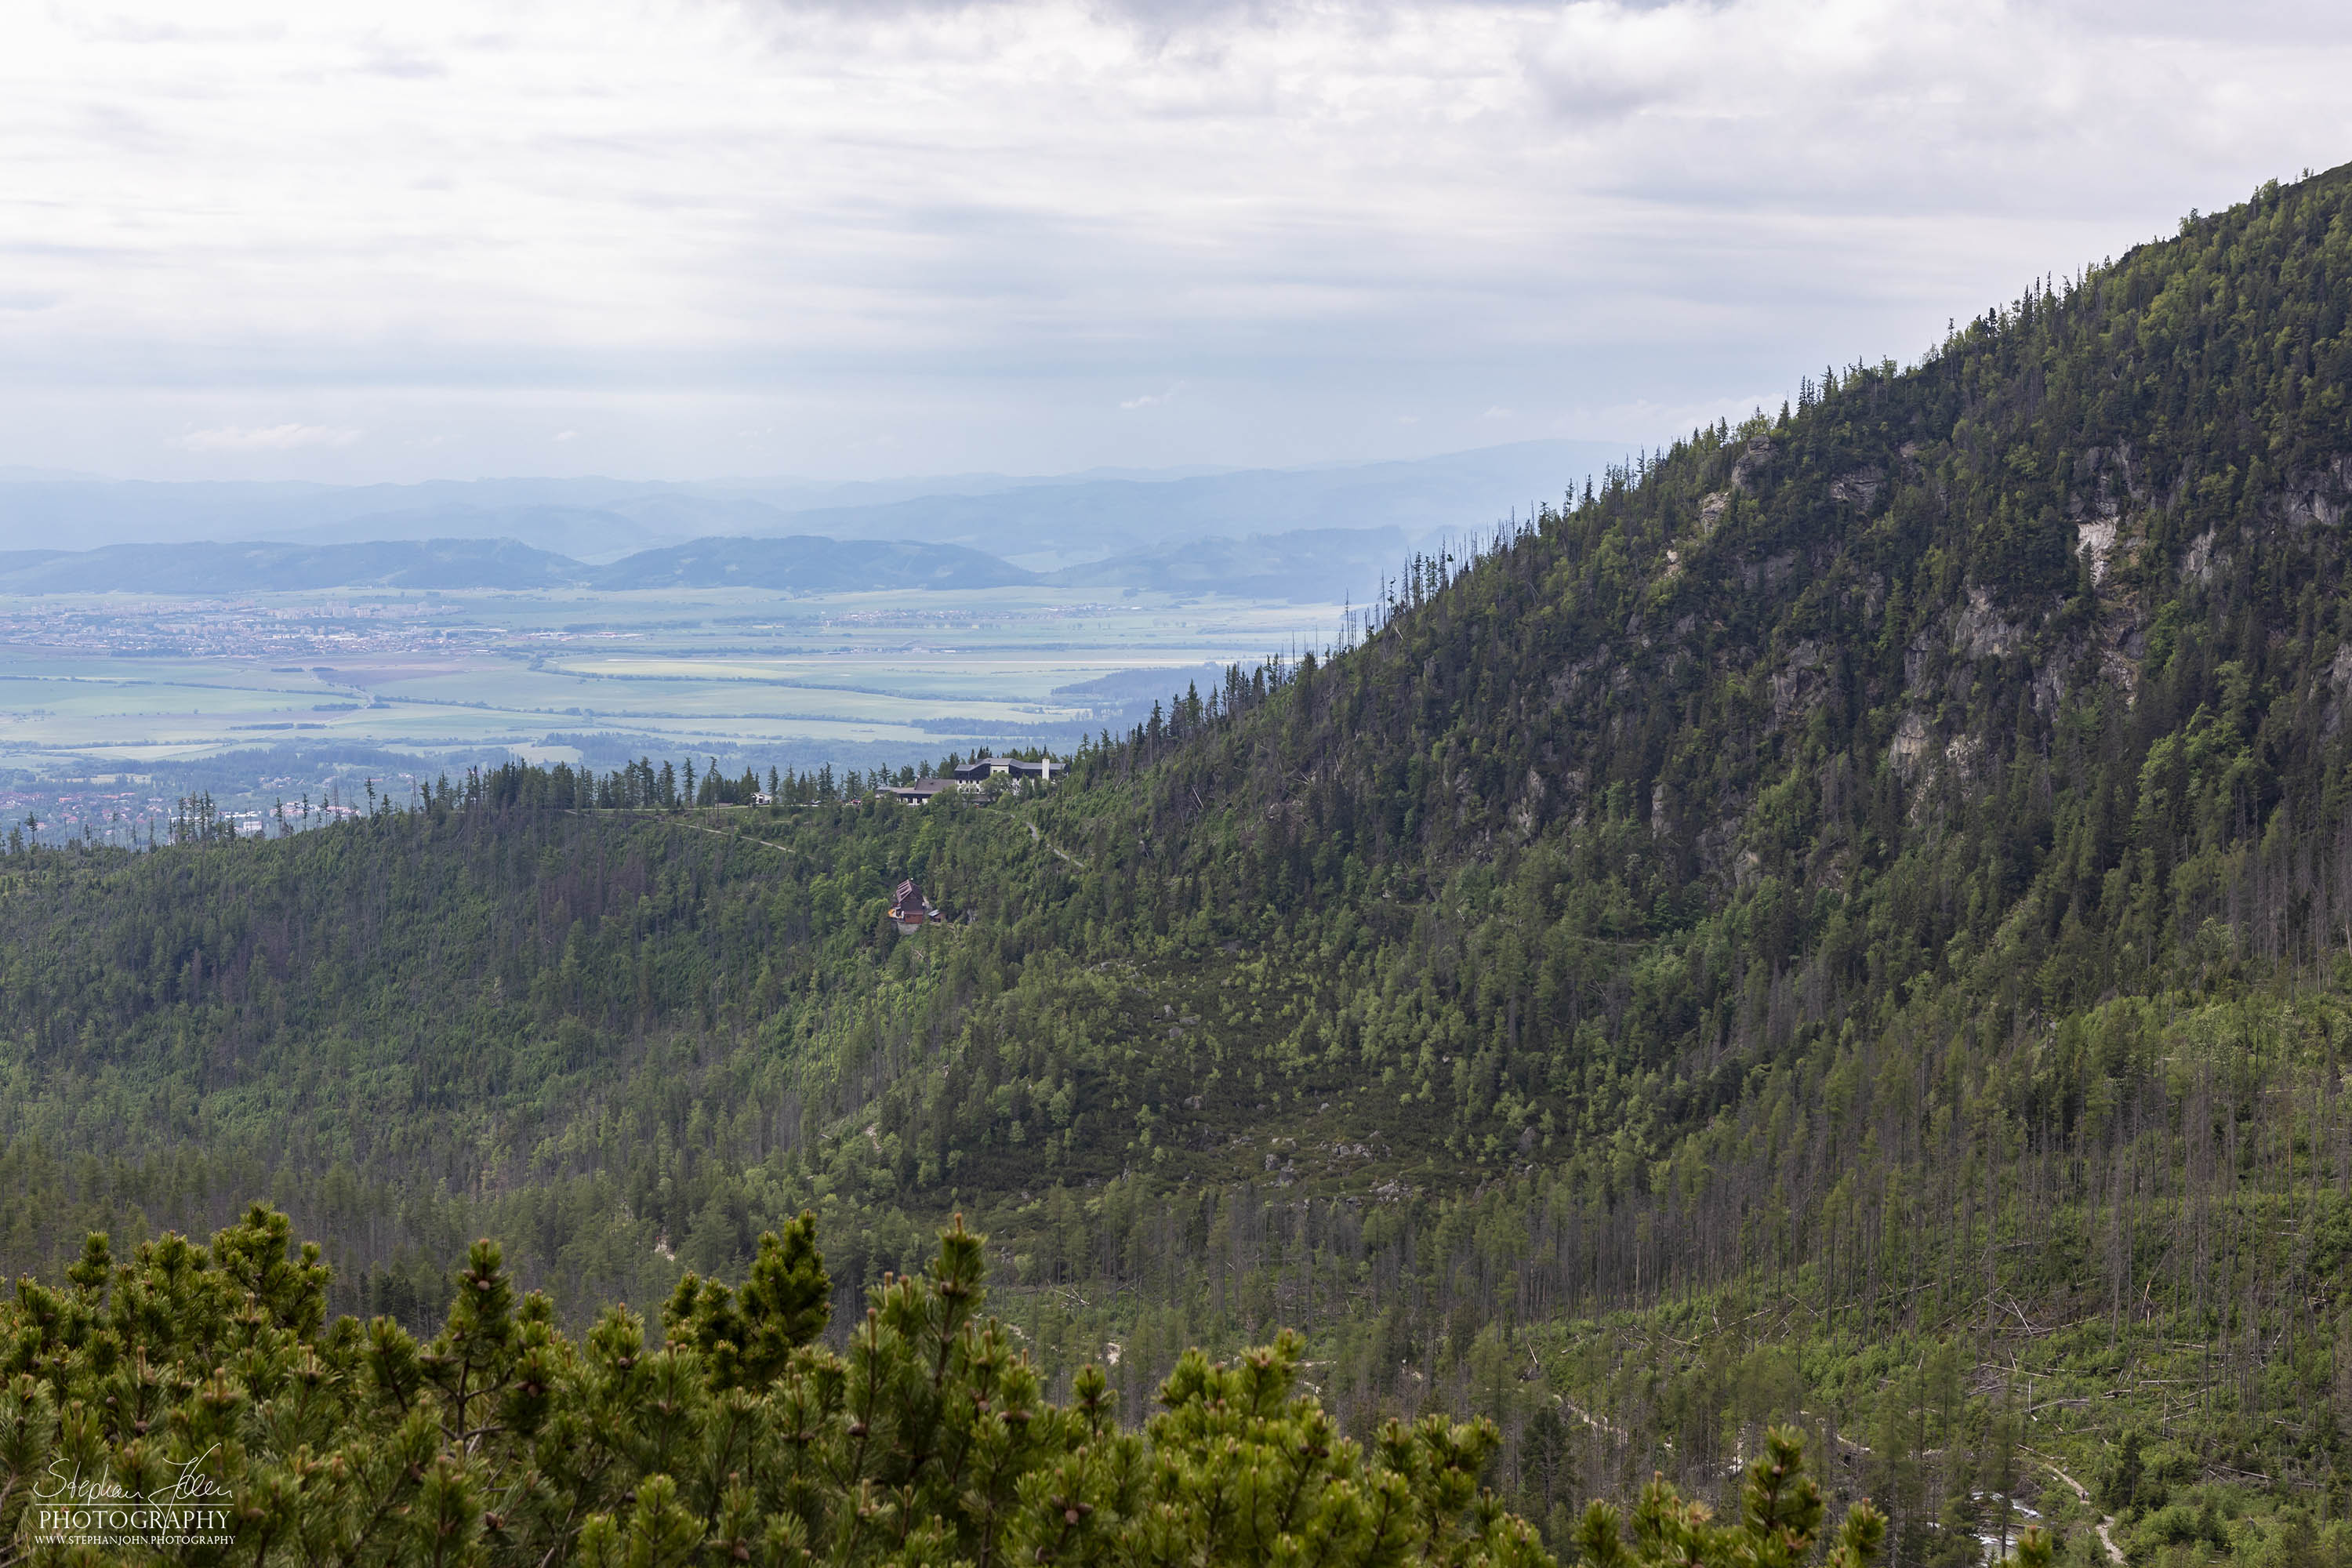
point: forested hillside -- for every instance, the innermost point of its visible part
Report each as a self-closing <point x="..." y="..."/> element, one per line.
<point x="1849" y="922"/>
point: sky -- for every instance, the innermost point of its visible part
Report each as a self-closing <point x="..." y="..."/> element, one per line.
<point x="261" y="240"/>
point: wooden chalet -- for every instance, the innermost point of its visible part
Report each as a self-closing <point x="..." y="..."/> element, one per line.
<point x="909" y="911"/>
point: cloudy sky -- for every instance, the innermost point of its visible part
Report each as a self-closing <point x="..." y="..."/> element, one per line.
<point x="457" y="237"/>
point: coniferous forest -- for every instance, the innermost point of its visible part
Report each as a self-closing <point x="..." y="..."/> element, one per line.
<point x="1838" y="938"/>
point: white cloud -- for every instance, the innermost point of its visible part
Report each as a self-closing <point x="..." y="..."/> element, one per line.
<point x="263" y="439"/>
<point x="564" y="436"/>
<point x="956" y="223"/>
<point x="1152" y="399"/>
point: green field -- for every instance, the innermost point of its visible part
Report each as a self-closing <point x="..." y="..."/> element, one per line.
<point x="135" y="679"/>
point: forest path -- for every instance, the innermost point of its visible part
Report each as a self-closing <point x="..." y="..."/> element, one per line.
<point x="1038" y="838"/>
<point x="2107" y="1523"/>
<point x="738" y="836"/>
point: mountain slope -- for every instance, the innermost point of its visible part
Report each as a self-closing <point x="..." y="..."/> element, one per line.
<point x="1849" y="921"/>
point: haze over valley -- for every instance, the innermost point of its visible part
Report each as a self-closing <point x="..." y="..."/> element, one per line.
<point x="310" y="637"/>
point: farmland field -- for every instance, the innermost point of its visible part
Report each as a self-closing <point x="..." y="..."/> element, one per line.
<point x="132" y="681"/>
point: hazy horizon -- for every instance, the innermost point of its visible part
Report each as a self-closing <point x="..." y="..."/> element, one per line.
<point x="31" y="473"/>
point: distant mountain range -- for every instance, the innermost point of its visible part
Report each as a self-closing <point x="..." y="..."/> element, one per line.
<point x="804" y="564"/>
<point x="1307" y="563"/>
<point x="262" y="567"/>
<point x="797" y="564"/>
<point x="1080" y="521"/>
<point x="1311" y="563"/>
<point x="1043" y="525"/>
